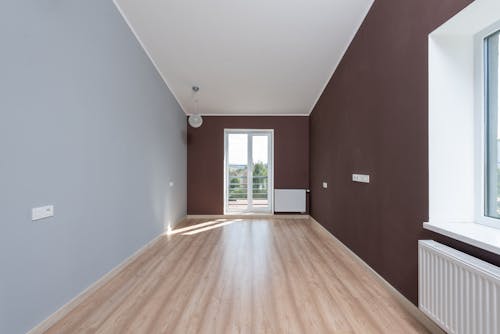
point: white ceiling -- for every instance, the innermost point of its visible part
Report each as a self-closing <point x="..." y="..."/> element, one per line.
<point x="249" y="57"/>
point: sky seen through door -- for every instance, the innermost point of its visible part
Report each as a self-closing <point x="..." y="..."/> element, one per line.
<point x="238" y="154"/>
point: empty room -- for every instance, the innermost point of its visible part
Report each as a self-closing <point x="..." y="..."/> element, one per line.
<point x="187" y="166"/>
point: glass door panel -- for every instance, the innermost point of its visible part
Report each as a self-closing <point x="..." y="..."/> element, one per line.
<point x="237" y="169"/>
<point x="260" y="172"/>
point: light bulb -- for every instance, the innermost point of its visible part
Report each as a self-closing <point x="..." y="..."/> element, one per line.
<point x="195" y="121"/>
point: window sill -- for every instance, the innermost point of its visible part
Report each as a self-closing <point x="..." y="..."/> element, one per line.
<point x="481" y="236"/>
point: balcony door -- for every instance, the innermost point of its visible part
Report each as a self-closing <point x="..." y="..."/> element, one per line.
<point x="248" y="171"/>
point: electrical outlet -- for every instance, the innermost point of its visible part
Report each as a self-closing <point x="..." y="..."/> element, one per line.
<point x="42" y="212"/>
<point x="362" y="178"/>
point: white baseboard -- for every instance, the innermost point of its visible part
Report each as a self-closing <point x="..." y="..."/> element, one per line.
<point x="250" y="216"/>
<point x="402" y="300"/>
<point x="69" y="306"/>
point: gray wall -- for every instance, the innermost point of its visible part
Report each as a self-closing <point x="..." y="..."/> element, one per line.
<point x="86" y="124"/>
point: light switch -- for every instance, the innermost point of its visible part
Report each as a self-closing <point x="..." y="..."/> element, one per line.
<point x="325" y="185"/>
<point x="363" y="178"/>
<point x="42" y="212"/>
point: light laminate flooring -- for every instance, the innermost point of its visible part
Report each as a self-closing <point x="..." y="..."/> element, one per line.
<point x="242" y="276"/>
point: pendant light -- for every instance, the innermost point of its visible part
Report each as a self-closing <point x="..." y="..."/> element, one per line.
<point x="195" y="120"/>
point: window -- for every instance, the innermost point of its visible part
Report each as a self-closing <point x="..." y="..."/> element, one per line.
<point x="464" y="127"/>
<point x="492" y="126"/>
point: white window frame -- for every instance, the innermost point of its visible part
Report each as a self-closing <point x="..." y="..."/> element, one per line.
<point x="270" y="171"/>
<point x="481" y="120"/>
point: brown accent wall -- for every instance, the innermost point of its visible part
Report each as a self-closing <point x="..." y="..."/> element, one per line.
<point x="206" y="157"/>
<point x="372" y="118"/>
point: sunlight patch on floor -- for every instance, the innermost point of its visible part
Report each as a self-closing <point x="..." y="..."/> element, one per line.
<point x="201" y="227"/>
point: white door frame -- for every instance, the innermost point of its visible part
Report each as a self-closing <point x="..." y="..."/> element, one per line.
<point x="270" y="171"/>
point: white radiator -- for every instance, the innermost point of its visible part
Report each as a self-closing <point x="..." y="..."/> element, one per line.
<point x="459" y="292"/>
<point x="290" y="200"/>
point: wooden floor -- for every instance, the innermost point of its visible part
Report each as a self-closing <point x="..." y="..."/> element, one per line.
<point x="242" y="276"/>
